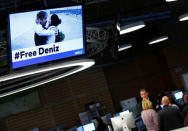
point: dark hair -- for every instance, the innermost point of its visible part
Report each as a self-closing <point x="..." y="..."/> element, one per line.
<point x="55" y="21"/>
<point x="171" y="99"/>
<point x="143" y="89"/>
<point x="41" y="15"/>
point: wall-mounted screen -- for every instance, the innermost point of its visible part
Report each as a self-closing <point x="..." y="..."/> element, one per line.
<point x="46" y="35"/>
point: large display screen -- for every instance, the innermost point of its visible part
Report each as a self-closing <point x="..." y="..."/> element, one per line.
<point x="46" y="35"/>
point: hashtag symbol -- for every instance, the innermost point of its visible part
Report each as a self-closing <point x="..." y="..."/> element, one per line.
<point x="17" y="55"/>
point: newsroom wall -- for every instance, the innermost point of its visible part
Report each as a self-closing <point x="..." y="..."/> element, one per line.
<point x="63" y="100"/>
<point x="177" y="60"/>
<point x="157" y="71"/>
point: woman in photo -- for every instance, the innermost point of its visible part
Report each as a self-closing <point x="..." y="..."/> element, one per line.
<point x="53" y="25"/>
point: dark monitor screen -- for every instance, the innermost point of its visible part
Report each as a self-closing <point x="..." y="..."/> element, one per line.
<point x="46" y="35"/>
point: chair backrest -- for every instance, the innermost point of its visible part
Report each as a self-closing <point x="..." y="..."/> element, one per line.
<point x="140" y="125"/>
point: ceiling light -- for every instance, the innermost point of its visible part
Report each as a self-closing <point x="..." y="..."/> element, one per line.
<point x="183" y="17"/>
<point x="124" y="47"/>
<point x="118" y="26"/>
<point x="170" y="0"/>
<point x="79" y="66"/>
<point x="131" y="27"/>
<point x="159" y="39"/>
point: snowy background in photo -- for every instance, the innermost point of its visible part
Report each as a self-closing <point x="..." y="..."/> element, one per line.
<point x="22" y="26"/>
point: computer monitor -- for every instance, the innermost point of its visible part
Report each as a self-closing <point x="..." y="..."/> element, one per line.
<point x="124" y="112"/>
<point x="89" y="127"/>
<point x="129" y="119"/>
<point x="178" y="95"/>
<point x="80" y="128"/>
<point x="124" y="122"/>
<point x="94" y="121"/>
<point x="118" y="124"/>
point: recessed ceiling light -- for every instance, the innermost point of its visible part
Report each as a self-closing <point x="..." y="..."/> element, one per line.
<point x="170" y="0"/>
<point x="131" y="27"/>
<point x="124" y="47"/>
<point x="159" y="39"/>
<point x="183" y="17"/>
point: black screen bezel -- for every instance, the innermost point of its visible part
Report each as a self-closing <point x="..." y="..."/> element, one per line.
<point x="55" y="60"/>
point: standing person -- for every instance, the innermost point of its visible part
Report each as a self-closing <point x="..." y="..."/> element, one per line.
<point x="149" y="116"/>
<point x="41" y="32"/>
<point x="145" y="95"/>
<point x="169" y="117"/>
<point x="172" y="102"/>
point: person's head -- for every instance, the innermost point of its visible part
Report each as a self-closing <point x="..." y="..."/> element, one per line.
<point x="171" y="99"/>
<point x="42" y="17"/>
<point x="146" y="104"/>
<point x="165" y="101"/>
<point x="144" y="94"/>
<point x="55" y="21"/>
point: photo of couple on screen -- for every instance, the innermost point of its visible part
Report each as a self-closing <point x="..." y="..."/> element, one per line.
<point x="46" y="35"/>
<point x="46" y="29"/>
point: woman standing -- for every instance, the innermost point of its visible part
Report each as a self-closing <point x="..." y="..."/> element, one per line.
<point x="149" y="116"/>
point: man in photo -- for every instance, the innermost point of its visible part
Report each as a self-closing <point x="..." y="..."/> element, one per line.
<point x="41" y="32"/>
